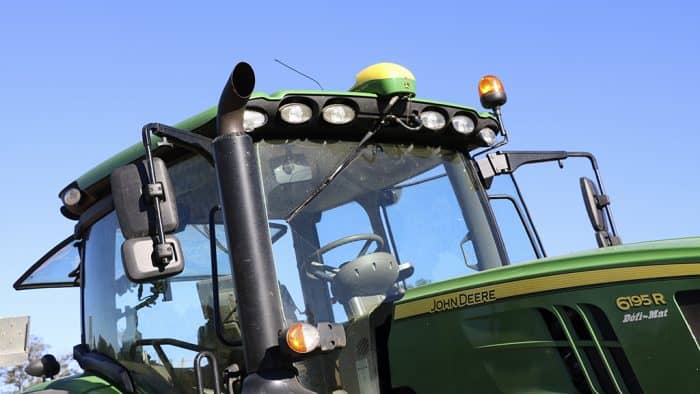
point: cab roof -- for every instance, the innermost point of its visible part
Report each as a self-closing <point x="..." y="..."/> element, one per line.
<point x="202" y="124"/>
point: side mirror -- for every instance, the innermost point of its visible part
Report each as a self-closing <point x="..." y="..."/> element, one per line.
<point x="45" y="367"/>
<point x="595" y="202"/>
<point x="143" y="208"/>
<point x="135" y="209"/>
<point x="595" y="213"/>
<point x="140" y="259"/>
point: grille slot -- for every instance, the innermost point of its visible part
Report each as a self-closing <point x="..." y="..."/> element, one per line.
<point x="689" y="303"/>
<point x="604" y="326"/>
<point x="600" y="370"/>
<point x="577" y="322"/>
<point x="613" y="349"/>
<point x="626" y="370"/>
<point x="595" y="360"/>
<point x="568" y="357"/>
<point x="555" y="329"/>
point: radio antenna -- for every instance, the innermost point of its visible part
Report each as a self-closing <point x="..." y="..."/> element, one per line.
<point x="299" y="72"/>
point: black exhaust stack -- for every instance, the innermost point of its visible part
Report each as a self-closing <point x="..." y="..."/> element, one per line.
<point x="248" y="237"/>
<point x="234" y="97"/>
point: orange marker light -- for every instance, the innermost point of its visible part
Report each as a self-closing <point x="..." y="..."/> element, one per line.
<point x="303" y="338"/>
<point x="490" y="83"/>
<point x="491" y="92"/>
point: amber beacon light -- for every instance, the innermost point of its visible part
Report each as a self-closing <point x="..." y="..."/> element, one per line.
<point x="491" y="92"/>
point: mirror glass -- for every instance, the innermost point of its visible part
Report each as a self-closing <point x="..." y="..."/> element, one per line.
<point x="595" y="214"/>
<point x="135" y="211"/>
<point x="137" y="255"/>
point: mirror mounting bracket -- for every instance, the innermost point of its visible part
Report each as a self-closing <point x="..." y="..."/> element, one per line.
<point x="507" y="162"/>
<point x="163" y="252"/>
<point x="182" y="138"/>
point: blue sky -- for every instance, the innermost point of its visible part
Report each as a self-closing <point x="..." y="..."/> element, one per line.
<point x="78" y="80"/>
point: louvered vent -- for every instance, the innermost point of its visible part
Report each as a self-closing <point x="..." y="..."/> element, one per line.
<point x="591" y="352"/>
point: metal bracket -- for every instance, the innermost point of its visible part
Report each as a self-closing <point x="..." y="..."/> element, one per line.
<point x="155" y="190"/>
<point x="604" y="239"/>
<point x="507" y="162"/>
<point x="491" y="165"/>
<point x="162" y="257"/>
<point x="182" y="138"/>
<point x="602" y="200"/>
<point x="332" y="336"/>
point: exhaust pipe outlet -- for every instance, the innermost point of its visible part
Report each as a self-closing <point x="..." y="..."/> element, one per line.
<point x="248" y="237"/>
<point x="237" y="91"/>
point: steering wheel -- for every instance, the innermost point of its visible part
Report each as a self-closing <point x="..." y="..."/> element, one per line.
<point x="326" y="272"/>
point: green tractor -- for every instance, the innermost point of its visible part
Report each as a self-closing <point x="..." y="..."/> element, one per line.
<point x="345" y="242"/>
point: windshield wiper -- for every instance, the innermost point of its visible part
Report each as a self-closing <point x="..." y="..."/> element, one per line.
<point x="418" y="182"/>
<point x="383" y="120"/>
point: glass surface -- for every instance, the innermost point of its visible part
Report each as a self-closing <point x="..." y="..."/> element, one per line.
<point x="155" y="329"/>
<point x="420" y="201"/>
<point x="394" y="206"/>
<point x="57" y="268"/>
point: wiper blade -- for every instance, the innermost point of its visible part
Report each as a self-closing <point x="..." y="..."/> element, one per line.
<point x="418" y="182"/>
<point x="346" y="162"/>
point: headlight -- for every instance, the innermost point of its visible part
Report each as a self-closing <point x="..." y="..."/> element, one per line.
<point x="253" y="119"/>
<point x="338" y="114"/>
<point x="487" y="136"/>
<point x="71" y="197"/>
<point x="463" y="124"/>
<point x="432" y="120"/>
<point x="295" y="113"/>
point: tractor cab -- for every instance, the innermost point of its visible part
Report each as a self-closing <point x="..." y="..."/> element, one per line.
<point x="367" y="194"/>
<point x="306" y="241"/>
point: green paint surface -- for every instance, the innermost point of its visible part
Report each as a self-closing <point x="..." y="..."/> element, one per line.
<point x="653" y="252"/>
<point x="78" y="384"/>
<point x="561" y="341"/>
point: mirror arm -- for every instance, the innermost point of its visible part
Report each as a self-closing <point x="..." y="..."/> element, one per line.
<point x="163" y="252"/>
<point x="596" y="171"/>
<point x="508" y="161"/>
<point x="518" y="158"/>
<point x="185" y="139"/>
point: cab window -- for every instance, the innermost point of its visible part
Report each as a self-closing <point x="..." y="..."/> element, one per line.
<point x="57" y="268"/>
<point x="156" y="328"/>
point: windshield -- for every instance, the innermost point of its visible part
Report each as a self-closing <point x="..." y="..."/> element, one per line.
<point x="414" y="207"/>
